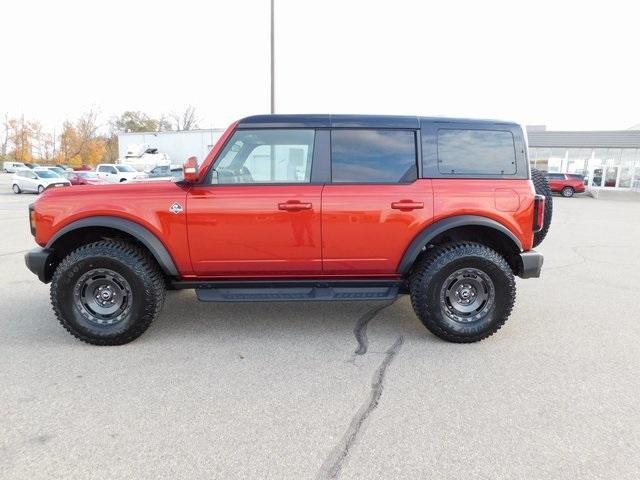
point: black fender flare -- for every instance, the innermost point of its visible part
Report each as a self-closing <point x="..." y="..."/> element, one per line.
<point x="140" y="233"/>
<point x="441" y="226"/>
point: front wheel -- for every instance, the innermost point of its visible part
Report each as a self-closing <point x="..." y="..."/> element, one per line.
<point x="567" y="192"/>
<point x="16" y="189"/>
<point x="107" y="292"/>
<point x="462" y="292"/>
<point x="40" y="189"/>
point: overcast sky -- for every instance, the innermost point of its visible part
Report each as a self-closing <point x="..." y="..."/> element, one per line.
<point x="569" y="65"/>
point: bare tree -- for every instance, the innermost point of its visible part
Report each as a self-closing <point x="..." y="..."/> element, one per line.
<point x="187" y="120"/>
<point x="5" y="137"/>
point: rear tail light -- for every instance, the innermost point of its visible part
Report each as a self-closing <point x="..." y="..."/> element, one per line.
<point x="538" y="213"/>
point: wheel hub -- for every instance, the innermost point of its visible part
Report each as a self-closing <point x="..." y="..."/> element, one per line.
<point x="467" y="295"/>
<point x="103" y="296"/>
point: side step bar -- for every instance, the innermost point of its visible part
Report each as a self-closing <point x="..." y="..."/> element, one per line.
<point x="301" y="290"/>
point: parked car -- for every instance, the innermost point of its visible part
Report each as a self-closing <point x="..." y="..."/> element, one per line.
<point x="59" y="170"/>
<point x="36" y="180"/>
<point x="348" y="208"/>
<point x="566" y="184"/>
<point x="165" y="172"/>
<point x="12" y="167"/>
<point x="82" y="168"/>
<point x="115" y="173"/>
<point x="32" y="165"/>
<point x="84" y="178"/>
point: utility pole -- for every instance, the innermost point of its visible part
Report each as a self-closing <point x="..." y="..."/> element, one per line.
<point x="273" y="84"/>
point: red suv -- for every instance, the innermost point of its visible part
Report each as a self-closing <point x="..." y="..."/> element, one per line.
<point x="566" y="184"/>
<point x="306" y="207"/>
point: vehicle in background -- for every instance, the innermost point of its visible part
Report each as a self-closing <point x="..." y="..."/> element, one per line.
<point x="36" y="180"/>
<point x="59" y="170"/>
<point x="64" y="166"/>
<point x="566" y="184"/>
<point x="115" y="173"/>
<point x="12" y="167"/>
<point x="143" y="157"/>
<point x="32" y="165"/>
<point x="84" y="178"/>
<point x="82" y="168"/>
<point x="165" y="172"/>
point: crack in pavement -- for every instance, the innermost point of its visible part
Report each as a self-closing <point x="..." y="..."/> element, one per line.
<point x="360" y="329"/>
<point x="333" y="463"/>
<point x="13" y="253"/>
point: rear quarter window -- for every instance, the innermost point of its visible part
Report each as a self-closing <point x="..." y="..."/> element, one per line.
<point x="476" y="152"/>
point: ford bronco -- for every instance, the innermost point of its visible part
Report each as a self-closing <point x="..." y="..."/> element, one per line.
<point x="306" y="207"/>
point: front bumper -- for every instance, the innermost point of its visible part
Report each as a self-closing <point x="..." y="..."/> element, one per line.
<point x="38" y="260"/>
<point x="530" y="264"/>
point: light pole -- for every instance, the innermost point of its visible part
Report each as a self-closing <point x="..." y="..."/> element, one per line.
<point x="273" y="84"/>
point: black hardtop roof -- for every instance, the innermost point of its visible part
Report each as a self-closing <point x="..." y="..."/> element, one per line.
<point x="353" y="121"/>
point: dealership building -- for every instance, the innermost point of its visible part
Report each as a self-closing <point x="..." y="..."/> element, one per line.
<point x="607" y="159"/>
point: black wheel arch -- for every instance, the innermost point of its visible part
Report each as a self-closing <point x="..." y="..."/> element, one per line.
<point x="464" y="227"/>
<point x="105" y="226"/>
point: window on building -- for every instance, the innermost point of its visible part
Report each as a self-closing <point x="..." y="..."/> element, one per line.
<point x="476" y="152"/>
<point x="266" y="156"/>
<point x="373" y="156"/>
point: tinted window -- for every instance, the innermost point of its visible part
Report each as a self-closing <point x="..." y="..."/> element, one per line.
<point x="373" y="156"/>
<point x="481" y="152"/>
<point x="266" y="156"/>
<point x="555" y="176"/>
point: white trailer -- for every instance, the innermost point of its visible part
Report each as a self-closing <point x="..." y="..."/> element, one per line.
<point x="172" y="147"/>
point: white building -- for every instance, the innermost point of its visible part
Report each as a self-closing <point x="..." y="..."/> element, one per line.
<point x="178" y="146"/>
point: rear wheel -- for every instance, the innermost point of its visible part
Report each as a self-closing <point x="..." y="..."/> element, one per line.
<point x="567" y="192"/>
<point x="40" y="188"/>
<point x="107" y="292"/>
<point x="16" y="188"/>
<point x="462" y="292"/>
<point x="542" y="188"/>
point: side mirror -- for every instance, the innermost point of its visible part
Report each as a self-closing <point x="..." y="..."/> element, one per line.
<point x="190" y="170"/>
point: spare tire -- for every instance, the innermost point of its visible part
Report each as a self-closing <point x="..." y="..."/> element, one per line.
<point x="542" y="188"/>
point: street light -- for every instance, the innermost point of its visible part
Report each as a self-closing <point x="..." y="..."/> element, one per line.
<point x="273" y="84"/>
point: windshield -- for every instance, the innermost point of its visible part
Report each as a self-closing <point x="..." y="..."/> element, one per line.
<point x="125" y="168"/>
<point x="46" y="174"/>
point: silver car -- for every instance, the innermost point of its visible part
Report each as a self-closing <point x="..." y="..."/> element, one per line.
<point x="36" y="180"/>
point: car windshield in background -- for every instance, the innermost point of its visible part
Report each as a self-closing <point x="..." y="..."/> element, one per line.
<point x="46" y="174"/>
<point x="125" y="168"/>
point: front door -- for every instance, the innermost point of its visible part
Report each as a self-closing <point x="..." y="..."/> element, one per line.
<point x="257" y="214"/>
<point x="375" y="205"/>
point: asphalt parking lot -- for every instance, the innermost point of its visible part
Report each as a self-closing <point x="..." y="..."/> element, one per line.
<point x="336" y="390"/>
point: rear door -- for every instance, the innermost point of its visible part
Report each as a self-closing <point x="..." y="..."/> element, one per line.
<point x="375" y="204"/>
<point x="257" y="213"/>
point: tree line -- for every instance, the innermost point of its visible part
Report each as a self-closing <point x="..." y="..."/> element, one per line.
<point x="85" y="140"/>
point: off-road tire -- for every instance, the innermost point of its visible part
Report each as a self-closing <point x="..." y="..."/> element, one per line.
<point x="16" y="188"/>
<point x="542" y="188"/>
<point x="134" y="265"/>
<point x="567" y="192"/>
<point x="427" y="283"/>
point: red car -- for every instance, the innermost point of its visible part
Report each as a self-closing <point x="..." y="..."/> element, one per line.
<point x="84" y="178"/>
<point x="82" y="168"/>
<point x="306" y="207"/>
<point x="566" y="184"/>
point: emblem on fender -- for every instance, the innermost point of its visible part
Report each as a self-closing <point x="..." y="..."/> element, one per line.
<point x="175" y="208"/>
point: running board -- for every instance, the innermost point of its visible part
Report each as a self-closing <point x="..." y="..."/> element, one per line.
<point x="296" y="291"/>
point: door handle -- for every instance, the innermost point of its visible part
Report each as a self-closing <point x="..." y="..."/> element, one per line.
<point x="294" y="206"/>
<point x="407" y="205"/>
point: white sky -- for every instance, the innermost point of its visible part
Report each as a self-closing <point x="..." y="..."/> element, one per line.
<point x="566" y="64"/>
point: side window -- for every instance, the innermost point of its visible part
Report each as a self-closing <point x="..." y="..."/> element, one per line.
<point x="266" y="156"/>
<point x="101" y="169"/>
<point x="112" y="170"/>
<point x="373" y="156"/>
<point x="479" y="152"/>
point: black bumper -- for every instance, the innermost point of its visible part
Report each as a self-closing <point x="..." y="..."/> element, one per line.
<point x="38" y="260"/>
<point x="530" y="264"/>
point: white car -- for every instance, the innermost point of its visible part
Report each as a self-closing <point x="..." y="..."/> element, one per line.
<point x="115" y="173"/>
<point x="36" y="180"/>
<point x="12" y="167"/>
